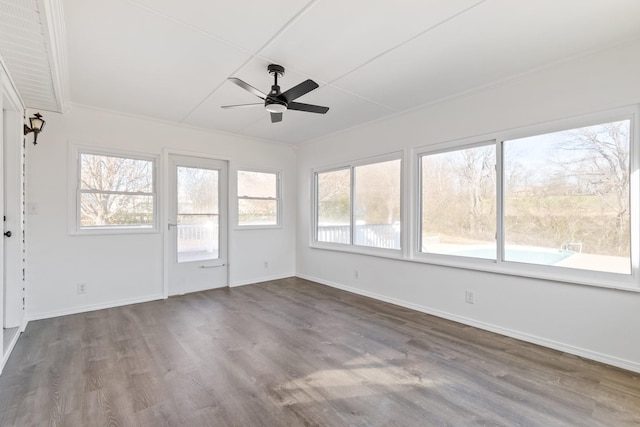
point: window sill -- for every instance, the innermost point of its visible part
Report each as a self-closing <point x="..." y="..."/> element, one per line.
<point x="615" y="281"/>
<point x="551" y="273"/>
<point x="360" y="250"/>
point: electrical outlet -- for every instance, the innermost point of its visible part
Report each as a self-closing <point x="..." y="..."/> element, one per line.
<point x="356" y="274"/>
<point x="266" y="264"/>
<point x="470" y="297"/>
<point x="82" y="288"/>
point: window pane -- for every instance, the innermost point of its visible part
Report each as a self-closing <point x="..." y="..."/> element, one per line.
<point x="257" y="184"/>
<point x="377" y="205"/>
<point x="197" y="237"/>
<point x="198" y="219"/>
<point x="459" y="203"/>
<point x="106" y="173"/>
<point x="197" y="191"/>
<point x="334" y="210"/>
<point x="252" y="187"/>
<point x="257" y="212"/>
<point x="115" y="210"/>
<point x="567" y="198"/>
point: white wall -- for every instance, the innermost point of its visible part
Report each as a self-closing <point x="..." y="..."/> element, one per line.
<point x="119" y="269"/>
<point x="599" y="323"/>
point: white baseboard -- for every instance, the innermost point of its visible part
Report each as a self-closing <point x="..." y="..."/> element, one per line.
<point x="118" y="303"/>
<point x="261" y="279"/>
<point x="577" y="351"/>
<point x="93" y="307"/>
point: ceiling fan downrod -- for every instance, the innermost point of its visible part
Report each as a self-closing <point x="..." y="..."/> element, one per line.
<point x="276" y="71"/>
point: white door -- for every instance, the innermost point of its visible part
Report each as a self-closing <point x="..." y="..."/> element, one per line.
<point x="3" y="297"/>
<point x="12" y="205"/>
<point x="197" y="224"/>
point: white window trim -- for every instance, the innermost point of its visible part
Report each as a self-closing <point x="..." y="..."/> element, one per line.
<point x="278" y="199"/>
<point x="411" y="206"/>
<point x="74" y="229"/>
<point x="351" y="247"/>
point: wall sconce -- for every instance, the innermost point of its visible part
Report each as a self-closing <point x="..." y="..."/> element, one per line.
<point x="37" y="124"/>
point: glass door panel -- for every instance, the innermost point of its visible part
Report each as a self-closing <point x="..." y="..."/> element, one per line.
<point x="198" y="215"/>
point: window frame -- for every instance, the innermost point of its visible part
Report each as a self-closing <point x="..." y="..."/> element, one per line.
<point x="75" y="190"/>
<point x="438" y="257"/>
<point x="278" y="200"/>
<point x="629" y="282"/>
<point x="351" y="247"/>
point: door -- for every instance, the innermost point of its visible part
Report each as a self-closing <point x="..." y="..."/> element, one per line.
<point x="3" y="297"/>
<point x="12" y="205"/>
<point x="197" y="224"/>
<point x="11" y="202"/>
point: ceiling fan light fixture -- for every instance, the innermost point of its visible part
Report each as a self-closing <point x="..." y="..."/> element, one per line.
<point x="275" y="108"/>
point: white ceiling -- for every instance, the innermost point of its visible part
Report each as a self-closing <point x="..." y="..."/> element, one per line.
<point x="170" y="59"/>
<point x="26" y="50"/>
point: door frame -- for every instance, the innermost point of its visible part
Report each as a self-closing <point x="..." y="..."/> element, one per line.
<point x="164" y="216"/>
<point x="13" y="151"/>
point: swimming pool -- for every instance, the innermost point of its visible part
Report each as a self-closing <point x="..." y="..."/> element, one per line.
<point x="529" y="255"/>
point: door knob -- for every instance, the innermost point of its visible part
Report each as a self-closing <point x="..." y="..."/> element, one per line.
<point x="7" y="233"/>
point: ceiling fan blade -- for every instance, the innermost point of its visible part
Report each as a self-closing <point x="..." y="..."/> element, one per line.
<point x="243" y="105"/>
<point x="307" y="107"/>
<point x="246" y="86"/>
<point x="299" y="90"/>
<point x="276" y="117"/>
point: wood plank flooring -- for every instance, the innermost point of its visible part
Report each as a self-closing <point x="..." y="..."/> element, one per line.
<point x="296" y="353"/>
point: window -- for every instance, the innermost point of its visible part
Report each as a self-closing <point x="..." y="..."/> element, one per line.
<point x="566" y="198"/>
<point x="334" y="206"/>
<point x="458" y="206"/>
<point x="360" y="205"/>
<point x="115" y="192"/>
<point x="556" y="204"/>
<point x="258" y="198"/>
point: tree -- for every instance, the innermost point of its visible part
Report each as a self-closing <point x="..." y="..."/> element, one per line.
<point x="334" y="197"/>
<point x="477" y="172"/>
<point x="598" y="161"/>
<point x="377" y="192"/>
<point x="105" y="182"/>
<point x="458" y="193"/>
<point x="197" y="191"/>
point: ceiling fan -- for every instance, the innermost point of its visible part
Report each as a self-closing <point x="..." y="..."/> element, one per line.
<point x="277" y="102"/>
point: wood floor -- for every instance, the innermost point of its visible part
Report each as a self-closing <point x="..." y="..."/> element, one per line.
<point x="295" y="353"/>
